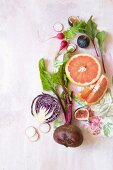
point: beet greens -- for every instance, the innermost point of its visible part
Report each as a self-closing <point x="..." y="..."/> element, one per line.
<point x="51" y="82"/>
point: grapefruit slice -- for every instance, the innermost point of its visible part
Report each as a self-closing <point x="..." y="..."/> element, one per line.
<point x="96" y="93"/>
<point x="83" y="69"/>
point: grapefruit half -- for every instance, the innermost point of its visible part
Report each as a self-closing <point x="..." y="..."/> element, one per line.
<point x="83" y="69"/>
<point x="94" y="94"/>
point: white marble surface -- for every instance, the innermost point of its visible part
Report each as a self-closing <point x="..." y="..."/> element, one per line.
<point x="20" y="49"/>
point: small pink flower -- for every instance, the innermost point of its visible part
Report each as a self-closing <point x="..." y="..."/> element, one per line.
<point x="95" y="122"/>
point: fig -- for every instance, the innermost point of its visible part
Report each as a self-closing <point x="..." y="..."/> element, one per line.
<point x="68" y="135"/>
<point x="83" y="41"/>
<point x="82" y="114"/>
<point x="72" y="20"/>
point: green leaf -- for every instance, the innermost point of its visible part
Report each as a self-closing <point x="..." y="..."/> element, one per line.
<point x="65" y="58"/>
<point x="44" y="76"/>
<point x="112" y="80"/>
<point x="53" y="81"/>
<point x="106" y="129"/>
<point x="57" y="123"/>
<point x="69" y="35"/>
<point x="57" y="77"/>
<point x="57" y="64"/>
<point x="78" y="27"/>
<point x="91" y="28"/>
<point x="101" y="37"/>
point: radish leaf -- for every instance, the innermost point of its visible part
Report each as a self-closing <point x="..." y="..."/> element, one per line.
<point x="101" y="37"/>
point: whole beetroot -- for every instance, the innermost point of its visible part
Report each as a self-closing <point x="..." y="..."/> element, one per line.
<point x="68" y="135"/>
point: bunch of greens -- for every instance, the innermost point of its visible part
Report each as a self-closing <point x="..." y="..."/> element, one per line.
<point x="90" y="29"/>
<point x="67" y="134"/>
<point x="52" y="81"/>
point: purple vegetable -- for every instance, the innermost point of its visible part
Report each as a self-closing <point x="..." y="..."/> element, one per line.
<point x="49" y="103"/>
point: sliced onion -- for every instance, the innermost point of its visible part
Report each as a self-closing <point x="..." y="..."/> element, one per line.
<point x="34" y="138"/>
<point x="45" y="108"/>
<point x="58" y="27"/>
<point x="30" y="131"/>
<point x="44" y="127"/>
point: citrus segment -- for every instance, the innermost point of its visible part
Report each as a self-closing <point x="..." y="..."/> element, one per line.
<point x="98" y="91"/>
<point x="83" y="69"/>
<point x="85" y="93"/>
<point x="95" y="92"/>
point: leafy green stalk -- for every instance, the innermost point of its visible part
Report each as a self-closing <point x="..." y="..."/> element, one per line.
<point x="49" y="81"/>
<point x="101" y="38"/>
<point x="78" y="27"/>
<point x="53" y="81"/>
<point x="93" y="32"/>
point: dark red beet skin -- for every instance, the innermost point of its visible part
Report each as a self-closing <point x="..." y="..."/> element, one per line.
<point x="68" y="135"/>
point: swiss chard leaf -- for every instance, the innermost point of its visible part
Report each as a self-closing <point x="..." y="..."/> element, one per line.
<point x="52" y="81"/>
<point x="101" y="37"/>
<point x="57" y="77"/>
<point x="91" y="29"/>
<point x="44" y="76"/>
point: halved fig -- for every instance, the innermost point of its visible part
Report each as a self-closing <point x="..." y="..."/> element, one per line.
<point x="72" y="20"/>
<point x="82" y="114"/>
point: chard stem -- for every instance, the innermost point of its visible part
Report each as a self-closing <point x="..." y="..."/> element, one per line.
<point x="95" y="48"/>
<point x="69" y="105"/>
<point x="98" y="55"/>
<point x="103" y="63"/>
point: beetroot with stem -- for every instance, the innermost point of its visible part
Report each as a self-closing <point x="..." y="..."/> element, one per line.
<point x="67" y="134"/>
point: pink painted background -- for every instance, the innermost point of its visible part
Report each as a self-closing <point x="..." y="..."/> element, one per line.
<point x="20" y="50"/>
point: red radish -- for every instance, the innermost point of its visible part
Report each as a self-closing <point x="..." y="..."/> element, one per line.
<point x="63" y="44"/>
<point x="60" y="36"/>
